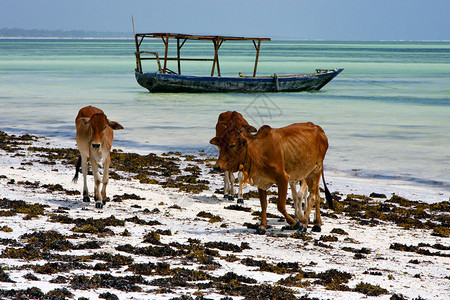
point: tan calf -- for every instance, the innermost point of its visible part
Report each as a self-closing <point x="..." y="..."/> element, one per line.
<point x="94" y="140"/>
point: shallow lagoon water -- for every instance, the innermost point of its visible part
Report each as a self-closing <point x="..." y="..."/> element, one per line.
<point x="387" y="116"/>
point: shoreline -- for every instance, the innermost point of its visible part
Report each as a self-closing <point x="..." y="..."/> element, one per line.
<point x="160" y="239"/>
<point x="345" y="182"/>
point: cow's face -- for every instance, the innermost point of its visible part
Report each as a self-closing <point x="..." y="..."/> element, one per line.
<point x="232" y="150"/>
<point x="98" y="124"/>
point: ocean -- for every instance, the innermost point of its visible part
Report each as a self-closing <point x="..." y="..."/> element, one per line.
<point x="387" y="116"/>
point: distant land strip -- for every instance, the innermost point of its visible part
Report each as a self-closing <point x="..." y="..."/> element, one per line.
<point x="42" y="33"/>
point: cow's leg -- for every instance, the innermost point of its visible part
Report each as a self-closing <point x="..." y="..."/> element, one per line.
<point x="314" y="200"/>
<point x="241" y="182"/>
<point x="231" y="181"/>
<point x="317" y="220"/>
<point x="97" y="182"/>
<point x="282" y="184"/>
<point x="263" y="199"/>
<point x="303" y="194"/>
<point x="297" y="203"/>
<point x="226" y="184"/>
<point x="105" y="178"/>
<point x="84" y="169"/>
<point x="299" y="198"/>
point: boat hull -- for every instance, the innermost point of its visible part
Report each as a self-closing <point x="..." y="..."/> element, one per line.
<point x="156" y="82"/>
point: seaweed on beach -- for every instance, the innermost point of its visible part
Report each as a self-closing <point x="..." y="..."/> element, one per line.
<point x="279" y="268"/>
<point x="155" y="251"/>
<point x="65" y="155"/>
<point x="113" y="261"/>
<point x="147" y="269"/>
<point x="13" y="143"/>
<point x="238" y="207"/>
<point x="370" y="289"/>
<point x="212" y="218"/>
<point x="59" y="267"/>
<point x="89" y="225"/>
<point x="227" y="246"/>
<point x="401" y="211"/>
<point x="13" y="207"/>
<point x="419" y="249"/>
<point x="125" y="283"/>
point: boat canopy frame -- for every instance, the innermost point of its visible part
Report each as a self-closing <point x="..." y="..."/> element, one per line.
<point x="217" y="41"/>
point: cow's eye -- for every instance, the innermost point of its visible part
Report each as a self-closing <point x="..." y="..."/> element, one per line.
<point x="232" y="146"/>
<point x="105" y="127"/>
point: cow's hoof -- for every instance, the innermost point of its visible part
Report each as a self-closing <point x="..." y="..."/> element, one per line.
<point x="297" y="226"/>
<point x="86" y="199"/>
<point x="99" y="205"/>
<point x="231" y="197"/>
<point x="260" y="231"/>
<point x="104" y="202"/>
<point x="302" y="229"/>
<point x="225" y="196"/>
<point x="316" y="228"/>
<point x="240" y="200"/>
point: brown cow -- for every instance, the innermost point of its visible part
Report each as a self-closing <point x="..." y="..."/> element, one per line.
<point x="278" y="156"/>
<point x="221" y="126"/>
<point x="94" y="140"/>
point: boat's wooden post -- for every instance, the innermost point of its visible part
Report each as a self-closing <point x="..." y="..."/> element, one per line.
<point x="166" y="52"/>
<point x="178" y="56"/>
<point x="216" y="55"/>
<point x="218" y="65"/>
<point x="138" y="56"/>
<point x="257" y="55"/>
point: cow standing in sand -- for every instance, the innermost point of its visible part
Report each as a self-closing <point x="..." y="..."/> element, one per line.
<point x="94" y="140"/>
<point x="278" y="156"/>
<point x="221" y="126"/>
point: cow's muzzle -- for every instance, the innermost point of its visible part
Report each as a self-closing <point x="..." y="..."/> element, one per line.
<point x="95" y="145"/>
<point x="217" y="169"/>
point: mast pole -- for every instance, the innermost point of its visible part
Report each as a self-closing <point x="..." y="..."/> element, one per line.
<point x="166" y="52"/>
<point x="257" y="56"/>
<point x="178" y="56"/>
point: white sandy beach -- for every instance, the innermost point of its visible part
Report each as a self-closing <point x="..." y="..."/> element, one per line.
<point x="404" y="275"/>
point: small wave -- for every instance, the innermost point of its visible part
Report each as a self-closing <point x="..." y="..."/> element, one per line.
<point x="404" y="178"/>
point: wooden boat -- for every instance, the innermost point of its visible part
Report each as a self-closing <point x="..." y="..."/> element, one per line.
<point x="165" y="80"/>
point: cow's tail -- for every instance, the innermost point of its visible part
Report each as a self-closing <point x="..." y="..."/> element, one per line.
<point x="327" y="193"/>
<point x="77" y="170"/>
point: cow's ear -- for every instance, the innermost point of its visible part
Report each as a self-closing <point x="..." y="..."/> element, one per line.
<point x="214" y="141"/>
<point x="85" y="121"/>
<point x="249" y="128"/>
<point x="114" y="125"/>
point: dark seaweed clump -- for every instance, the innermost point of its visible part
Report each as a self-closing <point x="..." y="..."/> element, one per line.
<point x="279" y="268"/>
<point x="403" y="212"/>
<point x="36" y="293"/>
<point x="238" y="207"/>
<point x="212" y="218"/>
<point x="370" y="289"/>
<point x="419" y="249"/>
<point x="125" y="283"/>
<point x="99" y="226"/>
<point x="13" y="207"/>
<point x="163" y="170"/>
<point x="13" y="143"/>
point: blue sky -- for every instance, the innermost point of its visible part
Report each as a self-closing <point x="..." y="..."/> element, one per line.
<point x="278" y="19"/>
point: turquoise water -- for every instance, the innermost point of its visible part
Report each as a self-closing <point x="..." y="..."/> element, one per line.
<point x="386" y="116"/>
